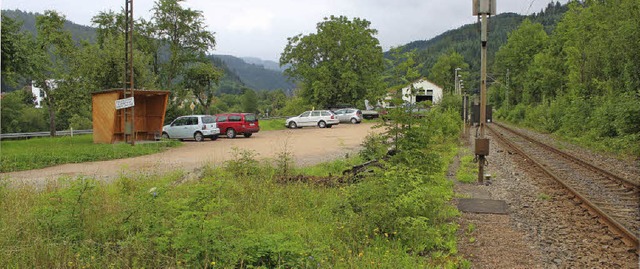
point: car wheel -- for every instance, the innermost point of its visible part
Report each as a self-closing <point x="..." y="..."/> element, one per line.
<point x="198" y="137"/>
<point x="231" y="133"/>
<point x="354" y="120"/>
<point x="322" y="124"/>
<point x="247" y="135"/>
<point x="293" y="125"/>
<point x="165" y="136"/>
<point x="214" y="137"/>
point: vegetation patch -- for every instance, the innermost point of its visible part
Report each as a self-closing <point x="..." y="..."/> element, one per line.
<point x="239" y="215"/>
<point x="18" y="155"/>
<point x="468" y="169"/>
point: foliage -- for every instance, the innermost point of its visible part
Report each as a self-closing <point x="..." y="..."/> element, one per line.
<point x="340" y="63"/>
<point x="444" y="70"/>
<point x="584" y="85"/>
<point x="239" y="216"/>
<point x="43" y="152"/>
<point x="19" y="114"/>
<point x="200" y="78"/>
<point x="16" y="50"/>
<point x="249" y="101"/>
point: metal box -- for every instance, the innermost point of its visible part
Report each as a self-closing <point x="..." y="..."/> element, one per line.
<point x="482" y="146"/>
<point x="487" y="7"/>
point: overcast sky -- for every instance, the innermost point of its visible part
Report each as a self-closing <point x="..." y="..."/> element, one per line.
<point x="259" y="28"/>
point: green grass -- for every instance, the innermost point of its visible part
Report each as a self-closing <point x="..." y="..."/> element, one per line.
<point x="36" y="153"/>
<point x="468" y="170"/>
<point x="272" y="124"/>
<point x="240" y="215"/>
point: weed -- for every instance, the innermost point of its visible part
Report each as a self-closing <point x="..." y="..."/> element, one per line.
<point x="544" y="197"/>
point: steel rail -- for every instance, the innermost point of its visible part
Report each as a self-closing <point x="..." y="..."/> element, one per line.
<point x="627" y="183"/>
<point x="628" y="236"/>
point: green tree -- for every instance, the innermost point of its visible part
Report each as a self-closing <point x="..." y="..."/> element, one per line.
<point x="341" y="63"/>
<point x="517" y="55"/>
<point x="200" y="79"/>
<point x="54" y="51"/>
<point x="444" y="70"/>
<point x="16" y="52"/>
<point x="184" y="31"/>
<point x="249" y="101"/>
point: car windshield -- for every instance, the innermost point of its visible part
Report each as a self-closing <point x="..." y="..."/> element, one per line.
<point x="306" y="114"/>
<point x="250" y="117"/>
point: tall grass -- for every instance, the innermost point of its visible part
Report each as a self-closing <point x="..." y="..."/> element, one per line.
<point x="239" y="215"/>
<point x="36" y="153"/>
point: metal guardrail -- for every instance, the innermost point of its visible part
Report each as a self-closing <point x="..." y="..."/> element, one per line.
<point x="44" y="134"/>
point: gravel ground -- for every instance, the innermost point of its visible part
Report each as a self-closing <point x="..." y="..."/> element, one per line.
<point x="545" y="227"/>
<point x="307" y="146"/>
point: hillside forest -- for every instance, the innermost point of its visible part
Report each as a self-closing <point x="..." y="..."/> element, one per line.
<point x="572" y="70"/>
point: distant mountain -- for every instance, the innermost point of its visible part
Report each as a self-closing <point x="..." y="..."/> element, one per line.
<point x="78" y="32"/>
<point x="256" y="76"/>
<point x="466" y="40"/>
<point x="271" y="65"/>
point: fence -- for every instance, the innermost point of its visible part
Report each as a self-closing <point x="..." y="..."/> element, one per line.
<point x="44" y="134"/>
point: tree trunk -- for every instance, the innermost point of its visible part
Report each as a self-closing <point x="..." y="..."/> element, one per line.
<point x="52" y="117"/>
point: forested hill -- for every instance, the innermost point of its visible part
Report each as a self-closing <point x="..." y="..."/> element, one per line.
<point x="466" y="39"/>
<point x="238" y="73"/>
<point x="256" y="76"/>
<point x="28" y="19"/>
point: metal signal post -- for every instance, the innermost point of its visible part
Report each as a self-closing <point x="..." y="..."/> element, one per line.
<point x="483" y="9"/>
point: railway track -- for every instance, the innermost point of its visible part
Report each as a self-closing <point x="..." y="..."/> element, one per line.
<point x="614" y="199"/>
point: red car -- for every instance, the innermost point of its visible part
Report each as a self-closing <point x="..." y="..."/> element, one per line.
<point x="232" y="124"/>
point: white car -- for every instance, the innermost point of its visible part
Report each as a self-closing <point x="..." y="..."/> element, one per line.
<point x="320" y="118"/>
<point x="193" y="126"/>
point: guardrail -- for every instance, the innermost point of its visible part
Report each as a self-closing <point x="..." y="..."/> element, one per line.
<point x="44" y="134"/>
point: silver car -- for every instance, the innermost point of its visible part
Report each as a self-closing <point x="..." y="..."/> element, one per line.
<point x="320" y="118"/>
<point x="352" y="115"/>
<point x="193" y="126"/>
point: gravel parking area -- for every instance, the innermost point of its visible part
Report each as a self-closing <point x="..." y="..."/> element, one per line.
<point x="307" y="145"/>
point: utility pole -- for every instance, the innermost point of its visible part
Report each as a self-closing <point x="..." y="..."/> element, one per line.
<point x="483" y="9"/>
<point x="129" y="115"/>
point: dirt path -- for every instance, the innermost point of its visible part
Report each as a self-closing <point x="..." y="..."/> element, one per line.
<point x="307" y="145"/>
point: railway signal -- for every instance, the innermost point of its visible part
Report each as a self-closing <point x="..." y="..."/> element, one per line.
<point x="483" y="9"/>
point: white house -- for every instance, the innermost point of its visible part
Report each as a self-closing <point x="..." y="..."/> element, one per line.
<point x="39" y="94"/>
<point x="424" y="91"/>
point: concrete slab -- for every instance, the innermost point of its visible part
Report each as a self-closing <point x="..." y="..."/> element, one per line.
<point x="484" y="206"/>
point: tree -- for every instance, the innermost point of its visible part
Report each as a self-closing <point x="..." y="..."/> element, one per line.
<point x="249" y="101"/>
<point x="184" y="32"/>
<point x="444" y="70"/>
<point x="53" y="52"/>
<point x="200" y="79"/>
<point x="517" y="56"/>
<point x="16" y="55"/>
<point x="340" y="63"/>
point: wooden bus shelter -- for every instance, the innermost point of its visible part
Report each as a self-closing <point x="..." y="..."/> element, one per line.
<point x="108" y="122"/>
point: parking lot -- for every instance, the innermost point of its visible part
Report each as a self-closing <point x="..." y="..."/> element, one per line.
<point x="307" y="145"/>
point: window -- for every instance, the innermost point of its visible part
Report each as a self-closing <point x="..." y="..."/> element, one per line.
<point x="325" y="113"/>
<point x="180" y="122"/>
<point x="339" y="111"/>
<point x="315" y="113"/>
<point x="306" y="114"/>
<point x="235" y="118"/>
<point x="250" y="117"/>
<point x="208" y="120"/>
<point x="222" y="118"/>
<point x="192" y="121"/>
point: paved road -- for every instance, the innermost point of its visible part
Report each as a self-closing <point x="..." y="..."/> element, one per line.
<point x="307" y="145"/>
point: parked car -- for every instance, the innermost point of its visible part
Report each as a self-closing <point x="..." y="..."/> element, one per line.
<point x="352" y="115"/>
<point x="192" y="126"/>
<point x="232" y="124"/>
<point x="320" y="118"/>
